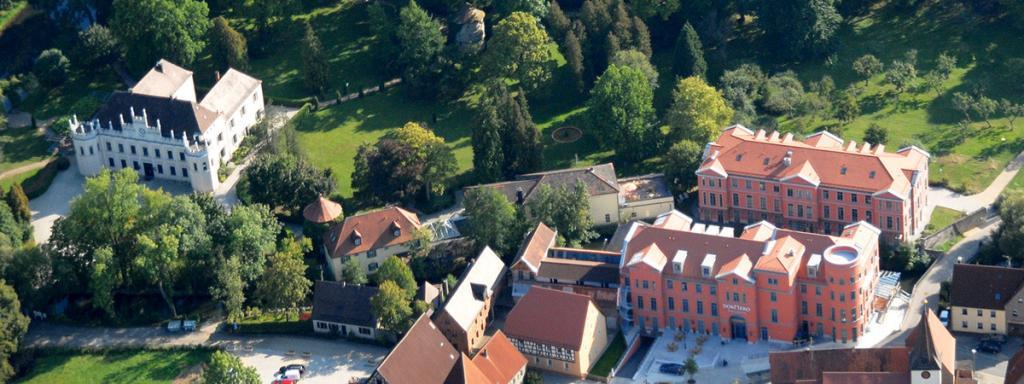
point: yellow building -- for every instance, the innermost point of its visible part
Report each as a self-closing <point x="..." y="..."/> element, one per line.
<point x="370" y="238"/>
<point x="987" y="299"/>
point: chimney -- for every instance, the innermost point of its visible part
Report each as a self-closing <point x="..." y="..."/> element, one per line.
<point x="159" y="67"/>
<point x="788" y="160"/>
<point x="216" y="75"/>
<point x="519" y="196"/>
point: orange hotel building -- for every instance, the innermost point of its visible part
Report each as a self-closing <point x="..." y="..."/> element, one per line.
<point x="767" y="284"/>
<point x="820" y="184"/>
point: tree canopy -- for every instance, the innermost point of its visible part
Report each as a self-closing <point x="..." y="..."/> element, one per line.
<point x="228" y="47"/>
<point x="155" y="29"/>
<point x="405" y="164"/>
<point x="13" y="326"/>
<point x="519" y="51"/>
<point x="491" y="220"/>
<point x="621" y="111"/>
<point x="698" y="112"/>
<point x="392" y="307"/>
<point x="688" y="57"/>
<point x="225" y="368"/>
<point x="799" y="29"/>
<point x="680" y="163"/>
<point x="420" y="40"/>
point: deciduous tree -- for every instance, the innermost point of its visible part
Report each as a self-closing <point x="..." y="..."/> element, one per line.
<point x="405" y="163"/>
<point x="52" y="67"/>
<point x="680" y="163"/>
<point x="228" y="287"/>
<point x="13" y="327"/>
<point x="519" y="50"/>
<point x="154" y="29"/>
<point x="1011" y="111"/>
<point x="636" y="59"/>
<point x="876" y="134"/>
<point x="698" y="112"/>
<point x="391" y="305"/>
<point x="288" y="182"/>
<point x="621" y="111"/>
<point x="742" y="88"/>
<point x="228" y="47"/>
<point x="284" y="284"/>
<point x="225" y="368"/>
<point x="352" y="272"/>
<point x="799" y="28"/>
<point x="984" y="107"/>
<point x="901" y="75"/>
<point x="867" y="66"/>
<point x="98" y="46"/>
<point x="491" y="220"/>
<point x="395" y="270"/>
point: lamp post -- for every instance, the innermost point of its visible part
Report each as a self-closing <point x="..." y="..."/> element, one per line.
<point x="974" y="362"/>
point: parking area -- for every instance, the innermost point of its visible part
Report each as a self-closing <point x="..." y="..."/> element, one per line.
<point x="326" y="361"/>
<point x="991" y="368"/>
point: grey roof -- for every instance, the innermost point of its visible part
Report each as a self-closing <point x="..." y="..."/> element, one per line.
<point x="345" y="304"/>
<point x="177" y="115"/>
<point x="599" y="179"/>
<point x="162" y="80"/>
<point x="479" y="280"/>
<point x="231" y="90"/>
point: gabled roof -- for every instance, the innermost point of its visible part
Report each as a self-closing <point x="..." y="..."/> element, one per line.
<point x="423" y="355"/>
<point x="984" y="286"/>
<point x="465" y="304"/>
<point x="465" y="372"/>
<point x="570" y="270"/>
<point x="810" y="366"/>
<point x="932" y="346"/>
<point x="230" y="91"/>
<point x="531" y="318"/>
<point x="179" y="116"/>
<point x="344" y="304"/>
<point x="375" y="230"/>
<point x="821" y="158"/>
<point x="535" y="246"/>
<point x="499" y="360"/>
<point x="163" y="80"/>
<point x="321" y="211"/>
<point x="599" y="179"/>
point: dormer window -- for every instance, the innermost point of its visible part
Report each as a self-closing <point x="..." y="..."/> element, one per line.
<point x="396" y="229"/>
<point x="705" y="271"/>
<point x="871" y="175"/>
<point x="739" y="156"/>
<point x="677" y="267"/>
<point x="357" y="238"/>
<point x="842" y="171"/>
<point x="999" y="296"/>
<point x="765" y="161"/>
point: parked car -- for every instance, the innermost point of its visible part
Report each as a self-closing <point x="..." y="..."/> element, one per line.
<point x="944" y="318"/>
<point x="1001" y="339"/>
<point x="284" y="381"/>
<point x="292" y="374"/>
<point x="299" y="367"/>
<point x="174" y="326"/>
<point x="990" y="346"/>
<point x="672" y="369"/>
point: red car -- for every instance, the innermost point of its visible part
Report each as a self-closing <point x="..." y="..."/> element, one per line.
<point x="285" y="381"/>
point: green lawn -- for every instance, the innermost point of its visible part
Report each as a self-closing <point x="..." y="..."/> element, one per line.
<point x="983" y="48"/>
<point x="611" y="356"/>
<point x="21" y="146"/>
<point x="81" y="94"/>
<point x="941" y="218"/>
<point x="7" y="182"/>
<point x="8" y="15"/>
<point x="128" y="367"/>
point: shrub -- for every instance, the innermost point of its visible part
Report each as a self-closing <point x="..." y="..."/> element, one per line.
<point x="52" y="67"/>
<point x="37" y="184"/>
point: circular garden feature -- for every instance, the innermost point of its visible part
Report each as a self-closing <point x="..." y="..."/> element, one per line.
<point x="566" y="134"/>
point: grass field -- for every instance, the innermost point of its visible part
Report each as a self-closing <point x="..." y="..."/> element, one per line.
<point x="941" y="218"/>
<point x="983" y="48"/>
<point x="21" y="146"/>
<point x="8" y="15"/>
<point x="123" y="367"/>
<point x="611" y="356"/>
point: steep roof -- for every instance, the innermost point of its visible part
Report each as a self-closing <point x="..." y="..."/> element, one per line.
<point x="174" y="115"/>
<point x="345" y="304"/>
<point x="375" y="229"/>
<point x="423" y="355"/>
<point x="865" y="378"/>
<point x="818" y="159"/>
<point x="569" y="270"/>
<point x="466" y="302"/>
<point x="531" y="318"/>
<point x="1015" y="369"/>
<point x="599" y="179"/>
<point x="810" y="366"/>
<point x="321" y="211"/>
<point x="162" y="80"/>
<point x="932" y="346"/>
<point x="535" y="246"/>
<point x="499" y="360"/>
<point x="465" y="372"/>
<point x="230" y="91"/>
<point x="983" y="286"/>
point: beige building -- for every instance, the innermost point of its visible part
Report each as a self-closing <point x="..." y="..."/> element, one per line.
<point x="370" y="238"/>
<point x="612" y="200"/>
<point x="987" y="299"/>
<point x="463" y="319"/>
<point x="558" y="331"/>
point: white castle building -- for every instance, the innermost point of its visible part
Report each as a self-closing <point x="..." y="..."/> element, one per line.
<point x="159" y="129"/>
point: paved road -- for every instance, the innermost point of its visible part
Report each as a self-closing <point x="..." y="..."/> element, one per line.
<point x="970" y="203"/>
<point x="327" y="361"/>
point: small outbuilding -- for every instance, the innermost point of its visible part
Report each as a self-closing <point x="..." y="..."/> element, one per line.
<point x="322" y="211"/>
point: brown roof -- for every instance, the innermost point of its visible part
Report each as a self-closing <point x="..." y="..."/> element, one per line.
<point x="375" y="229"/>
<point x="1015" y="369"/>
<point x="983" y="286"/>
<point x="321" y="211"/>
<point x="535" y="246"/>
<point x="569" y="270"/>
<point x="794" y="366"/>
<point x="816" y="160"/>
<point x="531" y="318"/>
<point x="865" y="378"/>
<point x="937" y="350"/>
<point x="599" y="179"/>
<point x="465" y="372"/>
<point x="422" y="356"/>
<point x="499" y="360"/>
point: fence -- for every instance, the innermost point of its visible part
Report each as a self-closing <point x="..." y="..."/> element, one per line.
<point x="362" y="92"/>
<point x="958" y="228"/>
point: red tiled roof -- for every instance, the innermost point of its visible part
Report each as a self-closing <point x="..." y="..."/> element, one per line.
<point x="984" y="286"/>
<point x="321" y="211"/>
<point x="375" y="229"/>
<point x="1015" y="369"/>
<point x="865" y="378"/>
<point x="499" y="360"/>
<point x="818" y="159"/>
<point x="797" y="366"/>
<point x="531" y="319"/>
<point x="936" y="350"/>
<point x="535" y="246"/>
<point x="465" y="372"/>
<point x="423" y="355"/>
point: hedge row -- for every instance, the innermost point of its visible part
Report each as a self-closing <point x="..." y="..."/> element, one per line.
<point x="38" y="183"/>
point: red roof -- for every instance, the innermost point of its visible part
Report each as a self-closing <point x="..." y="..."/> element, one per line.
<point x="499" y="360"/>
<point x="531" y="319"/>
<point x="423" y="355"/>
<point x="1015" y="369"/>
<point x="321" y="211"/>
<point x="374" y="229"/>
<point x="810" y="366"/>
<point x="535" y="246"/>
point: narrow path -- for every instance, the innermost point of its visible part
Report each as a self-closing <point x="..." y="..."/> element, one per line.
<point x="24" y="168"/>
<point x="943" y="197"/>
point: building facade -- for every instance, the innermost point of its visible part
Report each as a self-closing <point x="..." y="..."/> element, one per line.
<point x="160" y="130"/>
<point x="370" y="238"/>
<point x="344" y="310"/>
<point x="464" y="318"/>
<point x="987" y="299"/>
<point x="820" y="184"/>
<point x="558" y="331"/>
<point x="766" y="284"/>
<point x="589" y="272"/>
<point x="611" y="200"/>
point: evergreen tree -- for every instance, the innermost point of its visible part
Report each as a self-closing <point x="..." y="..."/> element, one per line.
<point x="688" y="58"/>
<point x="421" y="41"/>
<point x="799" y="28"/>
<point x="18" y="201"/>
<point x="488" y="155"/>
<point x="612" y="45"/>
<point x="574" y="58"/>
<point x="523" y="151"/>
<point x="228" y="46"/>
<point x="642" y="37"/>
<point x="558" y="23"/>
<point x="314" y="62"/>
